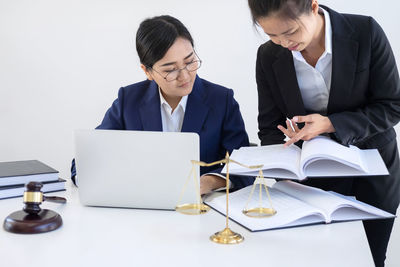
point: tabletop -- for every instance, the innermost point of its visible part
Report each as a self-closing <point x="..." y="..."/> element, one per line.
<point x="94" y="236"/>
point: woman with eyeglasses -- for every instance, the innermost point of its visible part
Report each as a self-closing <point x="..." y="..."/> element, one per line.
<point x="175" y="99"/>
<point x="334" y="74"/>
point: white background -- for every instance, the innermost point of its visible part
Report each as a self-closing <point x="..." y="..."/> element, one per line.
<point x="62" y="62"/>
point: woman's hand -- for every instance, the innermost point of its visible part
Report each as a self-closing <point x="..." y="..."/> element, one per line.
<point x="210" y="182"/>
<point x="315" y="124"/>
<point x="291" y="128"/>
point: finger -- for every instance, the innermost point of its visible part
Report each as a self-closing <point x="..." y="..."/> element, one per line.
<point x="308" y="118"/>
<point x="294" y="139"/>
<point x="296" y="128"/>
<point x="289" y="142"/>
<point x="289" y="126"/>
<point x="285" y="131"/>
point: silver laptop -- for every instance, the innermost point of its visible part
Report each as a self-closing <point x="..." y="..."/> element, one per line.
<point x="135" y="169"/>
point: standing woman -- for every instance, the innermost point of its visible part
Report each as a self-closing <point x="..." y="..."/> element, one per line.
<point x="333" y="74"/>
<point x="174" y="99"/>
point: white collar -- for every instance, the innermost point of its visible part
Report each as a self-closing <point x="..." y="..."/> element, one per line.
<point x="164" y="102"/>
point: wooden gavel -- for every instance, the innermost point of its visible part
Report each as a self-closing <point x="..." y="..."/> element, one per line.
<point x="32" y="219"/>
<point x="33" y="197"/>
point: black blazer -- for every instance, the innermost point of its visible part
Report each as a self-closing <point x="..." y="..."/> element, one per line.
<point x="364" y="99"/>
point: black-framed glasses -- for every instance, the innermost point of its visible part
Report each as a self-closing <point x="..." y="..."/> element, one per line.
<point x="174" y="74"/>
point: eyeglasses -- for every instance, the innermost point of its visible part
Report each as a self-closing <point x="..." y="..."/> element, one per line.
<point x="174" y="74"/>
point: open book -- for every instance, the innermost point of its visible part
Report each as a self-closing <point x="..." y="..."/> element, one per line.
<point x="296" y="204"/>
<point x="319" y="157"/>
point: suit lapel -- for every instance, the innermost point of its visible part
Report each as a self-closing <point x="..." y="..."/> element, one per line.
<point x="344" y="61"/>
<point x="285" y="74"/>
<point x="150" y="112"/>
<point x="196" y="109"/>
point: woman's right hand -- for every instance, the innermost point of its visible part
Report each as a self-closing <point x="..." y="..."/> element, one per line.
<point x="291" y="128"/>
<point x="315" y="124"/>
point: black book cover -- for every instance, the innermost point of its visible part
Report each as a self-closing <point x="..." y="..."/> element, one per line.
<point x="25" y="167"/>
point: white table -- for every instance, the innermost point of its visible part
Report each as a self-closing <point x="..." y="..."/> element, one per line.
<point x="130" y="237"/>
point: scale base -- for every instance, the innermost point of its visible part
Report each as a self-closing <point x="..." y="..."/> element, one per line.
<point x="21" y="222"/>
<point x="226" y="236"/>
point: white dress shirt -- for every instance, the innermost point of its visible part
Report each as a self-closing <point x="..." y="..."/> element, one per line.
<point x="315" y="83"/>
<point x="172" y="120"/>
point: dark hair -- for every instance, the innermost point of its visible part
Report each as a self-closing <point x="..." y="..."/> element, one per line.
<point x="289" y="9"/>
<point x="156" y="35"/>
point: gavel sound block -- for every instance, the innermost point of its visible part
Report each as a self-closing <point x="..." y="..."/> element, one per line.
<point x="32" y="219"/>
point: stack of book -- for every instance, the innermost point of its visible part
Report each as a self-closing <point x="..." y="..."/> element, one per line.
<point x="15" y="175"/>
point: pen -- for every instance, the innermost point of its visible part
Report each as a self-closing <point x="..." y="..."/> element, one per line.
<point x="291" y="124"/>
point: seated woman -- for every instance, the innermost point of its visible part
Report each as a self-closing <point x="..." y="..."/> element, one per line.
<point x="175" y="99"/>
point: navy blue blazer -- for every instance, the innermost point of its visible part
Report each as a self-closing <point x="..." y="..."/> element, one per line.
<point x="211" y="111"/>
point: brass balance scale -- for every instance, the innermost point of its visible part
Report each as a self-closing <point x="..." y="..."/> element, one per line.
<point x="226" y="236"/>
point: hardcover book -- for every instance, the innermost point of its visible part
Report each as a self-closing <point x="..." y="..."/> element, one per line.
<point x="296" y="205"/>
<point x="319" y="157"/>
<point x="18" y="190"/>
<point x="22" y="172"/>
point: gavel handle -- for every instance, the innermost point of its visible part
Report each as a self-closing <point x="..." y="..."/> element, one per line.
<point x="55" y="199"/>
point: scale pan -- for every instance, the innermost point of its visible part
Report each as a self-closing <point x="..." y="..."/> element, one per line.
<point x="192" y="209"/>
<point x="259" y="212"/>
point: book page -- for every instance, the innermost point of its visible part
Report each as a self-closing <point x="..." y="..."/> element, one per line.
<point x="374" y="161"/>
<point x="277" y="161"/>
<point x="357" y="210"/>
<point x="337" y="207"/>
<point x="320" y="151"/>
<point x="324" y="201"/>
<point x="289" y="209"/>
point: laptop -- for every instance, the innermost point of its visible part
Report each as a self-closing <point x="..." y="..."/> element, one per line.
<point x="135" y="169"/>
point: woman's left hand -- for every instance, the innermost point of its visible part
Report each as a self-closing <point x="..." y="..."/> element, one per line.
<point x="315" y="124"/>
<point x="210" y="182"/>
